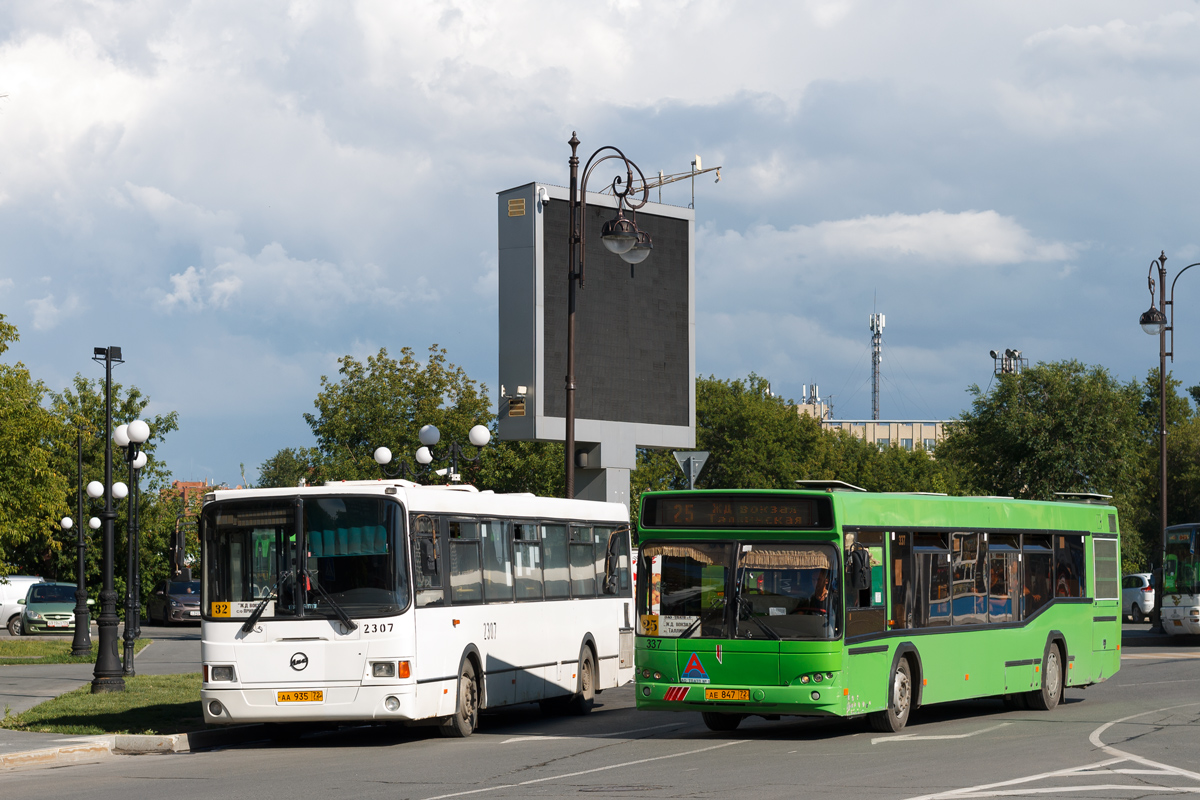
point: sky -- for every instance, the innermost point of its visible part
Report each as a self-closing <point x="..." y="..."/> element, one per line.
<point x="238" y="194"/>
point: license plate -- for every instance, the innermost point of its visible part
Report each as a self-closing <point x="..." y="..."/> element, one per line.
<point x="727" y="694"/>
<point x="53" y="623"/>
<point x="310" y="696"/>
<point x="193" y="613"/>
<point x="1178" y="622"/>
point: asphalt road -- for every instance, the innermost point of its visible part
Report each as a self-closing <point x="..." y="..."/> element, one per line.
<point x="1136" y="735"/>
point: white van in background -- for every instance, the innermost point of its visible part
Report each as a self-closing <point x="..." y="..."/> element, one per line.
<point x="12" y="589"/>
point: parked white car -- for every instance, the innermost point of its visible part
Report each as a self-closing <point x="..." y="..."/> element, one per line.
<point x="12" y="589"/>
<point x="1137" y="596"/>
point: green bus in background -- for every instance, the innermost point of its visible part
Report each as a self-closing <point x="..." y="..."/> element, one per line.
<point x="1180" y="601"/>
<point x="822" y="601"/>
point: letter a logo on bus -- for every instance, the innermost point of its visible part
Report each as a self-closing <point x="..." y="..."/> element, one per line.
<point x="694" y="672"/>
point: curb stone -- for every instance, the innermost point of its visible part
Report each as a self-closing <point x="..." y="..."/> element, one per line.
<point x="131" y="744"/>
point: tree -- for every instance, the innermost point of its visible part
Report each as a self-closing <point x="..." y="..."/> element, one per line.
<point x="289" y="467"/>
<point x="32" y="492"/>
<point x="80" y="407"/>
<point x="1055" y="427"/>
<point x="385" y="402"/>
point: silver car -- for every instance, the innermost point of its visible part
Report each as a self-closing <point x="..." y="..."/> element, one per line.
<point x="1137" y="596"/>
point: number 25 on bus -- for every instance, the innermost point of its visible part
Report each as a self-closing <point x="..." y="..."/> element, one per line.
<point x="848" y="603"/>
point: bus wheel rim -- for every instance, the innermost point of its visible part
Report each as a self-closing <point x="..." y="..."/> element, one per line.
<point x="1052" y="672"/>
<point x="901" y="693"/>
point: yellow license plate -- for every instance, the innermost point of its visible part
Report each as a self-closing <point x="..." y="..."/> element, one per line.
<point x="727" y="694"/>
<point x="311" y="696"/>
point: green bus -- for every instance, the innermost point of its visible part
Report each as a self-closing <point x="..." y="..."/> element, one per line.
<point x="824" y="602"/>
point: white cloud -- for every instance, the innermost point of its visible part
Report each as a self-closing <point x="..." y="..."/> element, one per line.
<point x="273" y="282"/>
<point x="936" y="238"/>
<point x="47" y="314"/>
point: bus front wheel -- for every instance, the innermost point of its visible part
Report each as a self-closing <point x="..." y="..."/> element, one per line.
<point x="464" y="721"/>
<point x="722" y="723"/>
<point x="1047" y="697"/>
<point x="895" y="717"/>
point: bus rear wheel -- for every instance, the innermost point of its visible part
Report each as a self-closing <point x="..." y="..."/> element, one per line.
<point x="466" y="719"/>
<point x="895" y="717"/>
<point x="1048" y="697"/>
<point x="585" y="698"/>
<point x="722" y="723"/>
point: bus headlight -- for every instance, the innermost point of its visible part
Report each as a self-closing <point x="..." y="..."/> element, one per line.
<point x="221" y="674"/>
<point x="383" y="669"/>
<point x="804" y="679"/>
<point x="391" y="703"/>
<point x="658" y="676"/>
<point x="818" y="677"/>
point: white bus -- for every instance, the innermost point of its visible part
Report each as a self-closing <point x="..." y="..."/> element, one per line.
<point x="394" y="602"/>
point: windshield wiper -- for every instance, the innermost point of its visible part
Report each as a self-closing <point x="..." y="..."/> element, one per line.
<point x="767" y="629"/>
<point x="256" y="614"/>
<point x="700" y="620"/>
<point x="349" y="623"/>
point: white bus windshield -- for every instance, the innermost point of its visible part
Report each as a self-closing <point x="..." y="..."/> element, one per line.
<point x="344" y="556"/>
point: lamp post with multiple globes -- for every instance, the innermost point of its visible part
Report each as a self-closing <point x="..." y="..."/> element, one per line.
<point x="107" y="674"/>
<point x="429" y="436"/>
<point x="130" y="439"/>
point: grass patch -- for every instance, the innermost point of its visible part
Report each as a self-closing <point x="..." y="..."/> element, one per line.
<point x="150" y="704"/>
<point x="31" y="650"/>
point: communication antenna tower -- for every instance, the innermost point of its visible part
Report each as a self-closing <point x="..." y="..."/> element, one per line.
<point x="876" y="360"/>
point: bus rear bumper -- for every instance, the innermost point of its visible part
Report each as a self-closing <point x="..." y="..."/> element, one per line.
<point x="807" y="700"/>
<point x="236" y="706"/>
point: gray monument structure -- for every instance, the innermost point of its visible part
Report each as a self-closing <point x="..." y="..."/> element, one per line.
<point x="635" y="338"/>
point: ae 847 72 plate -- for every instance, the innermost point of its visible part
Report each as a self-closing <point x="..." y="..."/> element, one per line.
<point x="727" y="694"/>
<point x="307" y="696"/>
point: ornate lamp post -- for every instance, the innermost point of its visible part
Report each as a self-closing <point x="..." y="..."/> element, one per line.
<point x="1155" y="321"/>
<point x="107" y="674"/>
<point x="620" y="236"/>
<point x="130" y="438"/>
<point x="81" y="644"/>
<point x="429" y="436"/>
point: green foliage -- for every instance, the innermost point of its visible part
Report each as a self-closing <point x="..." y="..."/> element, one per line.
<point x="288" y="467"/>
<point x="757" y="440"/>
<point x="1058" y="427"/>
<point x="32" y="492"/>
<point x="385" y="402"/>
<point x="150" y="704"/>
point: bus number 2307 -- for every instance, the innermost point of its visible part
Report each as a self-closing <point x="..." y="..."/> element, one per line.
<point x="489" y="630"/>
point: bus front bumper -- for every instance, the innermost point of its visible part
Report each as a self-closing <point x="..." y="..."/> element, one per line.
<point x="241" y="705"/>
<point x="814" y="699"/>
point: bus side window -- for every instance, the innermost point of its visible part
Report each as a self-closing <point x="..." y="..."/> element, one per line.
<point x="466" y="573"/>
<point x="1004" y="577"/>
<point x="900" y="577"/>
<point x="583" y="562"/>
<point x="427" y="576"/>
<point x="865" y="609"/>
<point x="1039" y="580"/>
<point x="527" y="561"/>
<point x="1069" y="567"/>
<point x="554" y="561"/>
<point x="615" y="546"/>
<point x="497" y="570"/>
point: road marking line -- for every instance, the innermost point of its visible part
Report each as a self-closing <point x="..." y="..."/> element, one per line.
<point x="587" y="771"/>
<point x="914" y="737"/>
<point x="1003" y="788"/>
<point x="537" y="737"/>
<point x="1159" y="656"/>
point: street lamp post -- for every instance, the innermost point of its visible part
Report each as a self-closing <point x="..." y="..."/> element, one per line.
<point x="107" y="674"/>
<point x="429" y="436"/>
<point x="1155" y="321"/>
<point x="130" y="438"/>
<point x="620" y="235"/>
<point x="81" y="644"/>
